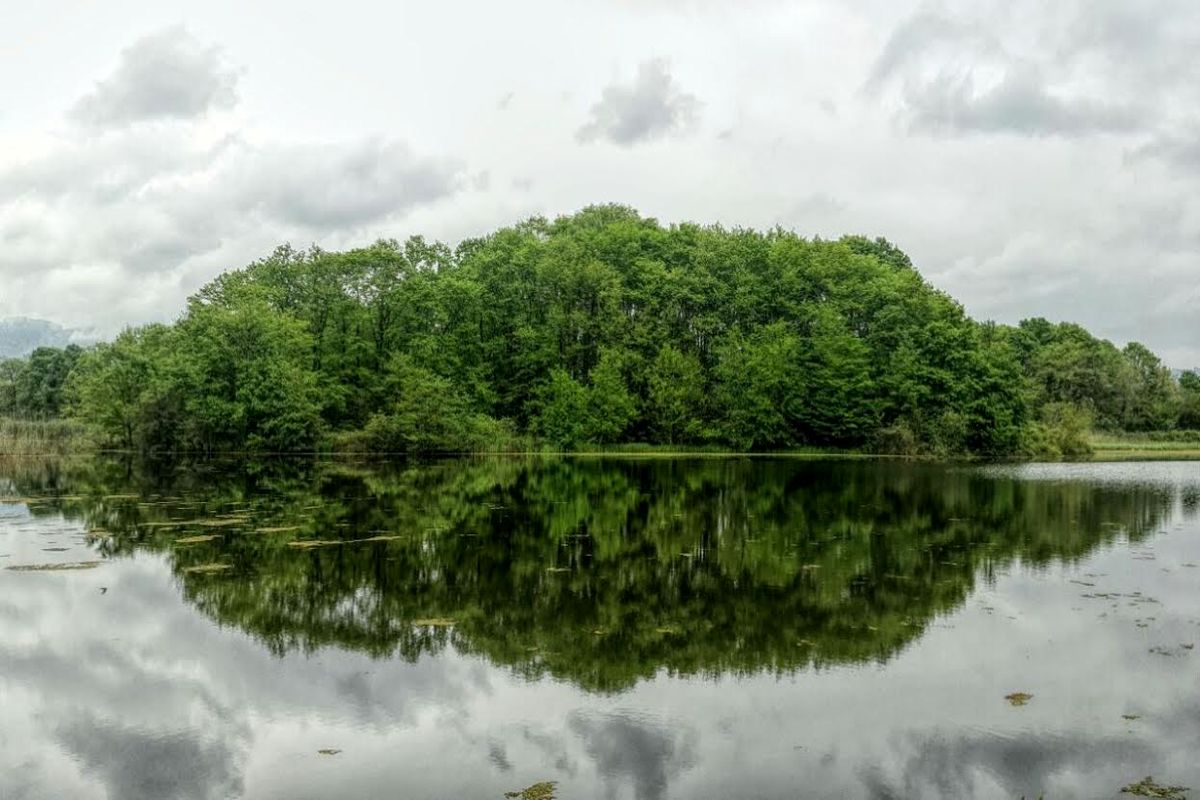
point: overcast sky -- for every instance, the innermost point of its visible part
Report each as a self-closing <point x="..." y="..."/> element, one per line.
<point x="1034" y="158"/>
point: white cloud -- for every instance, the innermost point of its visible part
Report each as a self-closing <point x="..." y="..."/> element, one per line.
<point x="167" y="75"/>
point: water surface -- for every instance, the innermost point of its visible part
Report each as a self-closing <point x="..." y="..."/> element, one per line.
<point x="705" y="628"/>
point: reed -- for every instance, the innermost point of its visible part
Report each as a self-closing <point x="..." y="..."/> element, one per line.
<point x="40" y="437"/>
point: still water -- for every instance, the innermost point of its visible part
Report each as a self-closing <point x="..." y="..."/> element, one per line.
<point x="703" y="628"/>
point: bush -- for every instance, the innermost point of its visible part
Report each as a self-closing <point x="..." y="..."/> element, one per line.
<point x="1063" y="432"/>
<point x="897" y="439"/>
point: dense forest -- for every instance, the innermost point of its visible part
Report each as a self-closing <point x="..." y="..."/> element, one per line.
<point x="599" y="328"/>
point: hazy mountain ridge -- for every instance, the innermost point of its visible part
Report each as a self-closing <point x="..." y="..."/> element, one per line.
<point x="20" y="336"/>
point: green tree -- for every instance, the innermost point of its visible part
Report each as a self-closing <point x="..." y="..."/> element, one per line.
<point x="675" y="396"/>
<point x="610" y="406"/>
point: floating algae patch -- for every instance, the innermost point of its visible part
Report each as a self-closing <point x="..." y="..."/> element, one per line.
<point x="435" y="622"/>
<point x="539" y="791"/>
<point x="207" y="569"/>
<point x="207" y="537"/>
<point x="65" y="566"/>
<point x="329" y="751"/>
<point x="1147" y="787"/>
<point x="308" y="544"/>
<point x="1018" y="698"/>
<point x="388" y="538"/>
<point x="279" y="529"/>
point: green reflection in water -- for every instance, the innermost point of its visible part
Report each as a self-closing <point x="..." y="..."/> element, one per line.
<point x="600" y="572"/>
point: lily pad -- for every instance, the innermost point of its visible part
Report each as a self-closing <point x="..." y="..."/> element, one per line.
<point x="539" y="791"/>
<point x="1018" y="698"/>
<point x="1147" y="787"/>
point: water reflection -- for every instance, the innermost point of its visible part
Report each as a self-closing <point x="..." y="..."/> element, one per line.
<point x="632" y="629"/>
<point x="598" y="572"/>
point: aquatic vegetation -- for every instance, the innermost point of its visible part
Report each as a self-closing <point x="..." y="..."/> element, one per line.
<point x="197" y="539"/>
<point x="207" y="569"/>
<point x="63" y="567"/>
<point x="1018" y="698"/>
<point x="538" y="791"/>
<point x="1147" y="787"/>
<point x="329" y="751"/>
<point x="435" y="622"/>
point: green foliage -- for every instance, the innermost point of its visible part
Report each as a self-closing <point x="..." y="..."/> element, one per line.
<point x="562" y="416"/>
<point x="759" y="388"/>
<point x="35" y="388"/>
<point x="675" y="392"/>
<point x="599" y="328"/>
<point x="610" y="405"/>
<point x="1189" y="400"/>
<point x="1063" y="431"/>
<point x="1153" y="399"/>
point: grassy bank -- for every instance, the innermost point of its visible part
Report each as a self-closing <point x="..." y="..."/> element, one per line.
<point x="20" y="437"/>
<point x="1172" y="446"/>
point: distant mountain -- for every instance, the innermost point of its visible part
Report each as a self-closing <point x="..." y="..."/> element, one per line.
<point x="19" y="336"/>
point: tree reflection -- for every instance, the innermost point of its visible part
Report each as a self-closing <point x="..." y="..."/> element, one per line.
<point x="600" y="572"/>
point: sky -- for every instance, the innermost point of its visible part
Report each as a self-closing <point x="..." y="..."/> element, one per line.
<point x="1034" y="159"/>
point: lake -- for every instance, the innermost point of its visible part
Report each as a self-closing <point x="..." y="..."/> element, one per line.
<point x="623" y="628"/>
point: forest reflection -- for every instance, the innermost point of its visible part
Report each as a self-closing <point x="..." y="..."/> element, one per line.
<point x="601" y="572"/>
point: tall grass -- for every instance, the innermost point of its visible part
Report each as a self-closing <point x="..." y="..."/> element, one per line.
<point x="20" y="437"/>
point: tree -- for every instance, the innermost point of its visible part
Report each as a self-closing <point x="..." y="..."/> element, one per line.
<point x="759" y="388"/>
<point x="675" y="396"/>
<point x="1152" y="400"/>
<point x="610" y="406"/>
<point x="562" y="415"/>
<point x="1189" y="400"/>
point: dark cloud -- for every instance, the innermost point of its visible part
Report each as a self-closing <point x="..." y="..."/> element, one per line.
<point x="167" y="75"/>
<point x="1019" y="103"/>
<point x="629" y="749"/>
<point x="651" y="107"/>
<point x="137" y="763"/>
